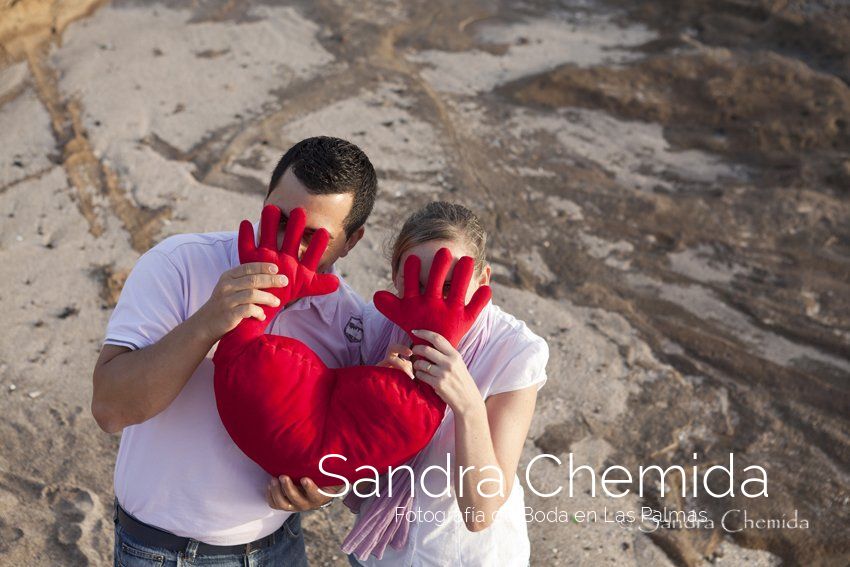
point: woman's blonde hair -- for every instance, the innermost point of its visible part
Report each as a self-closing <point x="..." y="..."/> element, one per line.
<point x="441" y="221"/>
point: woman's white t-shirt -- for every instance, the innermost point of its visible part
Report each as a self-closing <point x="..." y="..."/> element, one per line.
<point x="511" y="358"/>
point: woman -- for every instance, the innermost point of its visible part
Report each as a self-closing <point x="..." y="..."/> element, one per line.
<point x="489" y="383"/>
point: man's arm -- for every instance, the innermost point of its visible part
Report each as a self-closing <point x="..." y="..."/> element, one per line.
<point x="133" y="386"/>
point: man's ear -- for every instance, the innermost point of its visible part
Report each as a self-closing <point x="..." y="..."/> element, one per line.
<point x="352" y="241"/>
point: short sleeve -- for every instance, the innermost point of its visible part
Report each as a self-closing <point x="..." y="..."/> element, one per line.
<point x="151" y="303"/>
<point x="526" y="368"/>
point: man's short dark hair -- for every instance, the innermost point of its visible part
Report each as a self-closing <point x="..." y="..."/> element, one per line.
<point x="328" y="166"/>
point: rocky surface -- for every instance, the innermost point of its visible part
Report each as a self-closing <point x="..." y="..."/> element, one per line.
<point x="666" y="186"/>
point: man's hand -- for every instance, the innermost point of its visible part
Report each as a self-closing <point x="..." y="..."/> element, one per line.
<point x="238" y="295"/>
<point x="284" y="494"/>
<point x="300" y="272"/>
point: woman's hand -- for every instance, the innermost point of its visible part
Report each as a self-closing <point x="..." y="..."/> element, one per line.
<point x="441" y="366"/>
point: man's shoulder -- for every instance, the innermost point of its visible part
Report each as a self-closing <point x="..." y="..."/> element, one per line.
<point x="351" y="309"/>
<point x="184" y="250"/>
<point x="348" y="297"/>
<point x="194" y="241"/>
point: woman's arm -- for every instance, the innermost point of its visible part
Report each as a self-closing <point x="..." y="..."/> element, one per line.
<point x="489" y="437"/>
<point x="490" y="440"/>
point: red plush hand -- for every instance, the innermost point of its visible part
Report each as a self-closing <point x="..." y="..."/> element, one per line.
<point x="447" y="316"/>
<point x="302" y="276"/>
<point x="303" y="279"/>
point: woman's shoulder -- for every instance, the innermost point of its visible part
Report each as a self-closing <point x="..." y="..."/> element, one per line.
<point x="516" y="357"/>
<point x="507" y="330"/>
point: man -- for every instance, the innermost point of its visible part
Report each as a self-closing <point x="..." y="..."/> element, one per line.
<point x="183" y="488"/>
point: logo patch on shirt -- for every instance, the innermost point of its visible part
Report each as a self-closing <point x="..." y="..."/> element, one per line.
<point x="354" y="330"/>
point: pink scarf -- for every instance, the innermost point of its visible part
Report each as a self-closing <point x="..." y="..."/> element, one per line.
<point x="383" y="520"/>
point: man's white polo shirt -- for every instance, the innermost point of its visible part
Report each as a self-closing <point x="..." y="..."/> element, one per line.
<point x="180" y="471"/>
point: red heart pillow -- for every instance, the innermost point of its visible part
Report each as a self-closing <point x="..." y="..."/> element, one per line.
<point x="286" y="410"/>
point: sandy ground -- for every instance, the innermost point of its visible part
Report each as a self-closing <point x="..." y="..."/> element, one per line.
<point x="666" y="187"/>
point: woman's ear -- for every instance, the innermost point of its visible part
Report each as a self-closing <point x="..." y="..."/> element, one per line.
<point x="485" y="275"/>
<point x="352" y="241"/>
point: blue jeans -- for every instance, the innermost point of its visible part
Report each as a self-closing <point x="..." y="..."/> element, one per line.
<point x="288" y="550"/>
